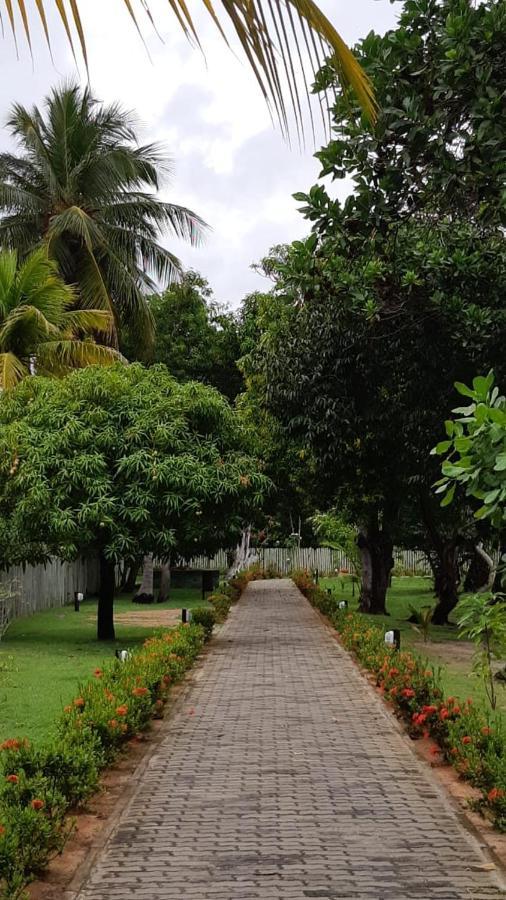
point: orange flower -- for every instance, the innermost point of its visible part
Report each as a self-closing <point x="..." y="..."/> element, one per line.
<point x="10" y="744"/>
<point x="98" y="673"/>
<point x="443" y="713"/>
<point x="408" y="693"/>
<point x="393" y="672"/>
<point x="37" y="804"/>
<point x="79" y="702"/>
<point x="435" y="749"/>
<point x="454" y="751"/>
<point x="456" y="710"/>
<point x="466" y="739"/>
<point x="12" y="779"/>
<point x="429" y="710"/>
<point x="486" y="730"/>
<point x="140" y="691"/>
<point x="495" y="794"/>
<point x="393" y="691"/>
<point x="428" y="673"/>
<point x="121" y="710"/>
<point x="2" y="830"/>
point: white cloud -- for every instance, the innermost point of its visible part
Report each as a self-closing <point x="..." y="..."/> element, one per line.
<point x="231" y="165"/>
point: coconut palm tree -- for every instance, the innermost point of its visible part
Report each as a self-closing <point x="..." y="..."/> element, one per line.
<point x="40" y="331"/>
<point x="83" y="187"/>
<point x="271" y="35"/>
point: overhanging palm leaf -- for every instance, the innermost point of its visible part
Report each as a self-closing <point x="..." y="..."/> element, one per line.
<point x="270" y="32"/>
<point x="39" y="329"/>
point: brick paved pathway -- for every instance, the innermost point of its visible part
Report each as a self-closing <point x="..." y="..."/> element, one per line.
<point x="289" y="781"/>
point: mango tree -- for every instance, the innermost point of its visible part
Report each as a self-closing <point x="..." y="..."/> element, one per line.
<point x="120" y="463"/>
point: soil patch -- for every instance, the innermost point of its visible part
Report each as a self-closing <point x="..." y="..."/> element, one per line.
<point x="148" y="618"/>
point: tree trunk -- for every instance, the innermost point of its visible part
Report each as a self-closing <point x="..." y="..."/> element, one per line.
<point x="499" y="585"/>
<point x="445" y="566"/>
<point x="444" y="562"/>
<point x="145" y="593"/>
<point x="245" y="555"/>
<point x="130" y="570"/>
<point x="105" y="615"/>
<point x="376" y="551"/>
<point x="478" y="574"/>
<point x="163" y="594"/>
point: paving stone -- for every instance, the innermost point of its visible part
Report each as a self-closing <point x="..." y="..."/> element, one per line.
<point x="290" y="781"/>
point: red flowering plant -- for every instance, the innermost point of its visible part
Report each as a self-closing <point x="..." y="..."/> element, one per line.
<point x="466" y="736"/>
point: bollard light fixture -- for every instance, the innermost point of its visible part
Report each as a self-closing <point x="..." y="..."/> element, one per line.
<point x="78" y="599"/>
<point x="343" y="604"/>
<point x="393" y="638"/>
<point x="186" y="616"/>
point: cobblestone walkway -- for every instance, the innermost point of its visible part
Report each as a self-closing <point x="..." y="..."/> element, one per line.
<point x="288" y="781"/>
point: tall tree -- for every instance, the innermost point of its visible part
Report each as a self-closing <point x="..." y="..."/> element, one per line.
<point x="82" y="186"/>
<point x="120" y="462"/>
<point x="398" y="288"/>
<point x="40" y="331"/>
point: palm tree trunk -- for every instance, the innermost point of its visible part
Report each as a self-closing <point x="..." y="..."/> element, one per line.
<point x="145" y="592"/>
<point x="163" y="594"/>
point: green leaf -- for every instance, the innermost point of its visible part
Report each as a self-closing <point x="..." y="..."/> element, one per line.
<point x="442" y="447"/>
<point x="447" y="499"/>
<point x="465" y="391"/>
<point x="500" y="463"/>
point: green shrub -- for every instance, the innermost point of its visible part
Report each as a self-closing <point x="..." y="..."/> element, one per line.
<point x="39" y="786"/>
<point x="221" y="604"/>
<point x="469" y="738"/>
<point x="205" y="617"/>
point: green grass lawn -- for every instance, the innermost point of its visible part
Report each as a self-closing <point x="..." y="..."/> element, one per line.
<point x="451" y="657"/>
<point x="43" y="658"/>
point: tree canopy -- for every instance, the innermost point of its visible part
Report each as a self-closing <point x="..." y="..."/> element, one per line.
<point x="121" y="462"/>
<point x="196" y="338"/>
<point x="398" y="292"/>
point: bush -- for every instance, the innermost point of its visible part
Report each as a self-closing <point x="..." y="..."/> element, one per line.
<point x="39" y="786"/>
<point x="467" y="737"/>
<point x="221" y="604"/>
<point x="205" y="617"/>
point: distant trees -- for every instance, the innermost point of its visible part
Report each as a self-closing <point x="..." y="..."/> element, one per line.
<point x="196" y="338"/>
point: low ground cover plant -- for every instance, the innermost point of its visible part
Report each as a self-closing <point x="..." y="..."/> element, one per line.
<point x="467" y="736"/>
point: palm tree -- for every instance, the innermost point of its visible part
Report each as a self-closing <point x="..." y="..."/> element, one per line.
<point x="83" y="187"/>
<point x="270" y="34"/>
<point x="40" y="331"/>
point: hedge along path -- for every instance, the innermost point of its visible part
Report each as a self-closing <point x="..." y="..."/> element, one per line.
<point x="284" y="778"/>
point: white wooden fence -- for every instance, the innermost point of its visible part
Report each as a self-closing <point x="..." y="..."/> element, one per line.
<point x="33" y="588"/>
<point x="285" y="559"/>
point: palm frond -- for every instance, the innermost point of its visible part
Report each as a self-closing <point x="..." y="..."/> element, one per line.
<point x="12" y="371"/>
<point x="268" y="34"/>
<point x="60" y="357"/>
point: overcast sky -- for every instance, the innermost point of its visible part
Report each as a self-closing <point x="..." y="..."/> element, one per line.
<point x="231" y="165"/>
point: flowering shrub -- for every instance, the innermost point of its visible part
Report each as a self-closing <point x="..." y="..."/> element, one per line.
<point x="38" y="786"/>
<point x="466" y="736"/>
